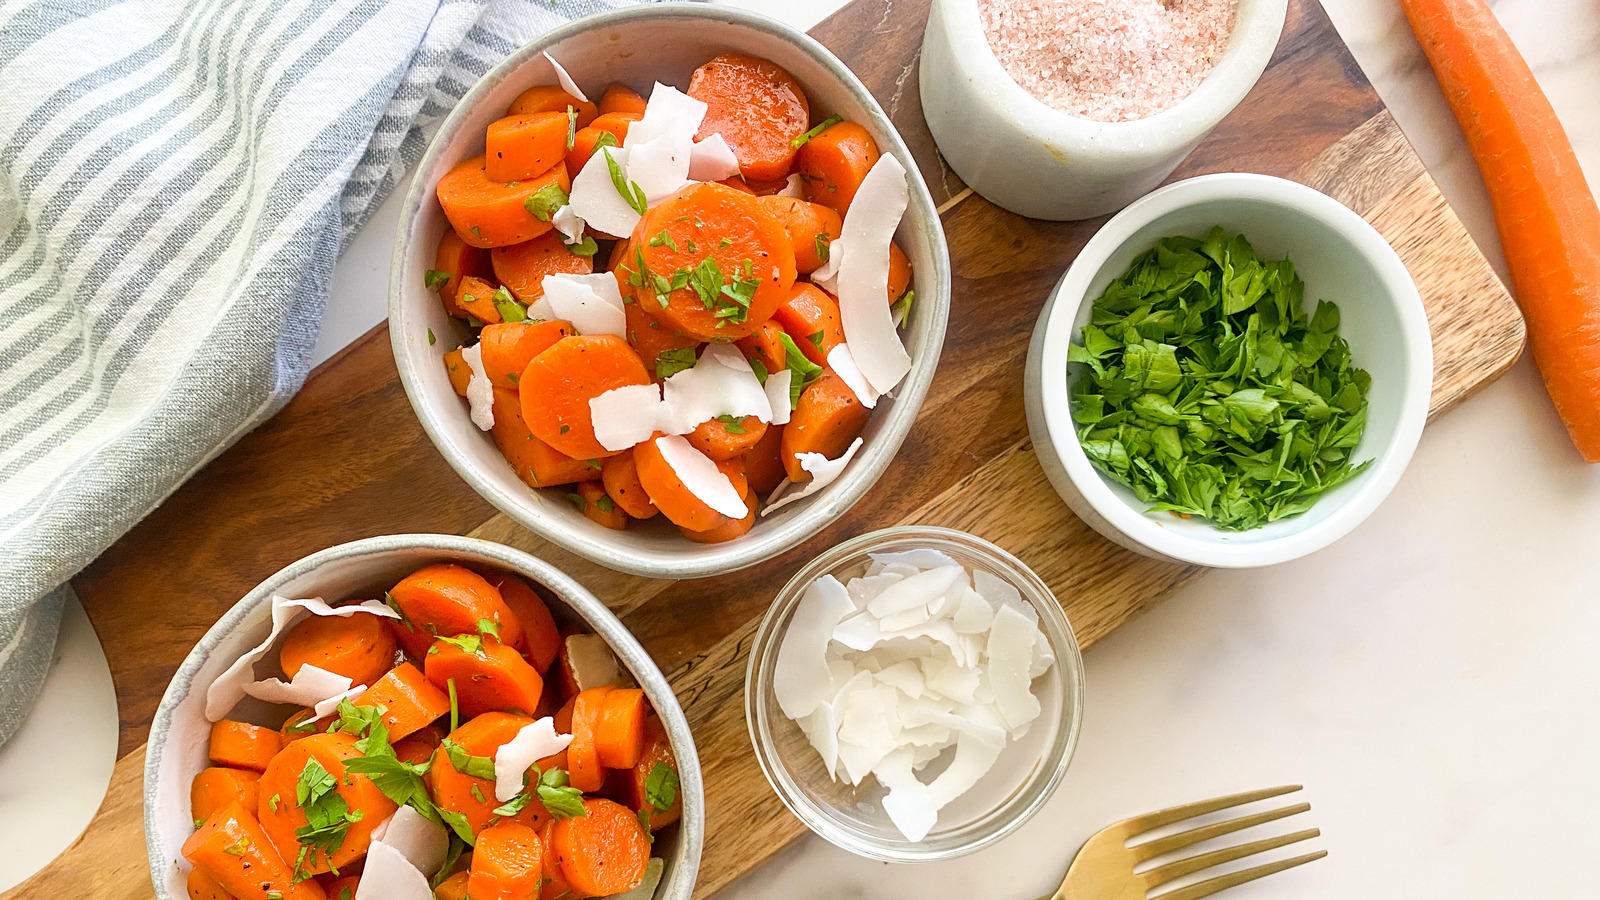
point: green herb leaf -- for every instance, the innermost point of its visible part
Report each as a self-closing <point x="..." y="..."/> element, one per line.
<point x="510" y="309"/>
<point x="823" y="240"/>
<point x="466" y="763"/>
<point x="803" y="370"/>
<point x="572" y="126"/>
<point x="661" y="787"/>
<point x="489" y="628"/>
<point x="466" y="643"/>
<point x="760" y="368"/>
<point x="455" y="715"/>
<point x="433" y="278"/>
<point x="827" y="123"/>
<point x="584" y="247"/>
<point x="431" y="338"/>
<point x="578" y="501"/>
<point x="731" y="424"/>
<point x="664" y="239"/>
<point x="545" y="201"/>
<point x="902" y="308"/>
<point x="629" y="190"/>
<point x="560" y="799"/>
<point x="605" y="503"/>
<point x="671" y="362"/>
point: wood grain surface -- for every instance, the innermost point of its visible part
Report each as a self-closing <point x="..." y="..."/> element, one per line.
<point x="347" y="458"/>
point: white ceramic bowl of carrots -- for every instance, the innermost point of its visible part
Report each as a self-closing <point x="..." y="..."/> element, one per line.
<point x="638" y="47"/>
<point x="181" y="734"/>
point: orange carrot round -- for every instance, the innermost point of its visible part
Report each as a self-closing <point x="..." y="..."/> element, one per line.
<point x="598" y="506"/>
<point x="583" y="755"/>
<point x="201" y="886"/>
<point x="811" y="318"/>
<point x="740" y="238"/>
<point x="508" y="347"/>
<point x="827" y="418"/>
<point x="619" y="98"/>
<point x="242" y="745"/>
<point x="294" y="728"/>
<point x="899" y="272"/>
<point x="757" y="107"/>
<point x="811" y="228"/>
<point x="507" y="863"/>
<point x="588" y="138"/>
<point x="235" y="851"/>
<point x="620" y="475"/>
<point x="555" y="883"/>
<point x="650" y="338"/>
<point x="470" y="795"/>
<point x="726" y="440"/>
<point x="217" y="786"/>
<point x="602" y="852"/>
<point x="535" y="462"/>
<point x="833" y="164"/>
<point x="447" y="599"/>
<point x="558" y="384"/>
<point x="410" y="702"/>
<point x="657" y="751"/>
<point x="619" y="731"/>
<point x="456" y="259"/>
<point x="489" y="213"/>
<point x="765" y="347"/>
<point x="522" y="267"/>
<point x="729" y="528"/>
<point x="476" y="299"/>
<point x="541" y="640"/>
<point x="763" y="464"/>
<point x="668" y="492"/>
<point x="521" y="147"/>
<point x="488" y="676"/>
<point x="342" y="888"/>
<point x="359" y="647"/>
<point x="418" y="747"/>
<point x="454" y="887"/>
<point x="281" y="813"/>
<point x="551" y="98"/>
<point x="459" y="373"/>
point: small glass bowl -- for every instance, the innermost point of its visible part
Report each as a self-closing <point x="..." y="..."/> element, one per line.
<point x="852" y="817"/>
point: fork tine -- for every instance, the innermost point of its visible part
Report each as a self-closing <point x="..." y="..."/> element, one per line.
<point x="1143" y="823"/>
<point x="1171" y="842"/>
<point x="1212" y="885"/>
<point x="1163" y="874"/>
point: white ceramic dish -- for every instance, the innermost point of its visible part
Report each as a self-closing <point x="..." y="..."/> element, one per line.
<point x="639" y="46"/>
<point x="180" y="733"/>
<point x="1037" y="161"/>
<point x="1342" y="259"/>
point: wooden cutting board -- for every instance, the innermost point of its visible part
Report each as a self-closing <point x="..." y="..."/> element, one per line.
<point x="348" y="460"/>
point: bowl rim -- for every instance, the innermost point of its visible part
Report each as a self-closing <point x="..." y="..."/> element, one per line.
<point x="1251" y="45"/>
<point x="1063" y="643"/>
<point x="691" y="560"/>
<point x="686" y="864"/>
<point x="1071" y="293"/>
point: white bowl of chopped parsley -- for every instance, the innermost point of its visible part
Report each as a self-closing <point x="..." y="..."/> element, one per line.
<point x="1234" y="372"/>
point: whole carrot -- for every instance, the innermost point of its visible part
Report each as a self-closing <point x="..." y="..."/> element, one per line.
<point x="1547" y="218"/>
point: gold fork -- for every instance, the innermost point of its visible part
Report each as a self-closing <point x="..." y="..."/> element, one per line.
<point x="1103" y="869"/>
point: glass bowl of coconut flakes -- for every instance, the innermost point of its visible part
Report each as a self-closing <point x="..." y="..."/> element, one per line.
<point x="914" y="694"/>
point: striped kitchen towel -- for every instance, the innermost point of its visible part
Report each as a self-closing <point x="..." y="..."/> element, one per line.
<point x="177" y="178"/>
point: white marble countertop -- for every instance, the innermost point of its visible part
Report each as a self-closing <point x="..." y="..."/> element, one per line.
<point x="1429" y="679"/>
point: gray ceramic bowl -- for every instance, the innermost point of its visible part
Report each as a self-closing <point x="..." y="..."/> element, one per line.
<point x="639" y="46"/>
<point x="180" y="733"/>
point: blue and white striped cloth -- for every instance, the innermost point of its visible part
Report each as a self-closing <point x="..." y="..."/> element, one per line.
<point x="177" y="178"/>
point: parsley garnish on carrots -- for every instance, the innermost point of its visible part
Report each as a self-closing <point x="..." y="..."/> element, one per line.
<point x="802" y="370"/>
<point x="510" y="310"/>
<point x="827" y="123"/>
<point x="544" y="202"/>
<point x="629" y="190"/>
<point x="433" y="278"/>
<point x="1207" y="391"/>
<point x="328" y="817"/>
<point x="671" y="362"/>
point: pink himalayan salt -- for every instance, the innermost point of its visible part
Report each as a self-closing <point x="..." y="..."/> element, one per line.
<point x="1108" y="60"/>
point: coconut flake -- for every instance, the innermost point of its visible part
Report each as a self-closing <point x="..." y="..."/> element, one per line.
<point x="843" y="364"/>
<point x="794" y="187"/>
<point x="712" y="160"/>
<point x="701" y="476"/>
<point x="824" y="471"/>
<point x="777" y="388"/>
<point x="229" y="688"/>
<point x="424" y="844"/>
<point x="480" y="390"/>
<point x="568" y="222"/>
<point x="668" y="113"/>
<point x="627" y="415"/>
<point x="916" y="590"/>
<point x="1010" y="650"/>
<point x="661" y="144"/>
<point x="826" y="276"/>
<point x="863" y="274"/>
<point x="592" y="303"/>
<point x="909" y="803"/>
<point x="591" y="662"/>
<point x="721" y="383"/>
<point x="801" y="679"/>
<point x="388" y="875"/>
<point x="565" y="80"/>
<point x="514" y="758"/>
<point x="916" y="558"/>
<point x="310" y="686"/>
<point x="595" y="199"/>
<point x="973" y="759"/>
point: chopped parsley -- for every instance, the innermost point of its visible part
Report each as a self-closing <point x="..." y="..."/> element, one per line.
<point x="605" y="504"/>
<point x="543" y="203"/>
<point x="466" y="763"/>
<point x="664" y="239"/>
<point x="629" y="190"/>
<point x="731" y="425"/>
<point x="431" y="338"/>
<point x="572" y="125"/>
<point x="579" y="502"/>
<point x="510" y="310"/>
<point x="802" y="370"/>
<point x="433" y="278"/>
<point x="823" y="240"/>
<point x="671" y="362"/>
<point x="661" y="787"/>
<point x="328" y="817"/>
<point x="827" y="123"/>
<point x="584" y="247"/>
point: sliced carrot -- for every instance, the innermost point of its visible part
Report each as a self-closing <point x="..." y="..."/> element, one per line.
<point x="234" y="850"/>
<point x="555" y="883"/>
<point x="558" y="384"/>
<point x="447" y="599"/>
<point x="476" y="299"/>
<point x="657" y="752"/>
<point x="651" y="338"/>
<point x="588" y="138"/>
<point x="203" y="887"/>
<point x="488" y="675"/>
<point x="667" y="491"/>
<point x="454" y="887"/>
<point x="508" y="347"/>
<point x="730" y="528"/>
<point x="520" y="147"/>
<point x="456" y="368"/>
<point x="359" y="647"/>
<point x="619" y="731"/>
<point x="535" y="462"/>
<point x="281" y="814"/>
<point x="833" y="164"/>
<point x="541" y="640"/>
<point x="757" y="107"/>
<point x="899" y="272"/>
<point x="410" y="702"/>
<point x="827" y="418"/>
<point x="741" y="240"/>
<point x="418" y="746"/>
<point x="470" y="795"/>
<point x="620" y="475"/>
<point x="811" y="318"/>
<point x="602" y="852"/>
<point x="725" y="440"/>
<point x="584" y="768"/>
<point x="551" y="98"/>
<point x="342" y="888"/>
<point x="591" y="498"/>
<point x="242" y="745"/>
<point x="523" y="267"/>
<point x="763" y="464"/>
<point x="621" y="98"/>
<point x="811" y="228"/>
<point x="489" y="213"/>
<point x="456" y="259"/>
<point x="738" y="184"/>
<point x="507" y="863"/>
<point x="217" y="786"/>
<point x="764" y="346"/>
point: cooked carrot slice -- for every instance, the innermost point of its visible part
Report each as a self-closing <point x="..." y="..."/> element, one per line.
<point x="541" y="640"/>
<point x="489" y="213"/>
<point x="635" y="795"/>
<point x="602" y="852"/>
<point x="583" y="755"/>
<point x="588" y="138"/>
<point x="833" y="164"/>
<point x="725" y="440"/>
<point x="765" y="347"/>
<point x="899" y="272"/>
<point x="476" y="299"/>
<point x="668" y="492"/>
<point x="620" y="475"/>
<point x="456" y="259"/>
<point x="359" y="647"/>
<point x="591" y="498"/>
<point x="342" y="888"/>
<point x="520" y="147"/>
<point x="555" y="883"/>
<point x="454" y="789"/>
<point x="242" y="745"/>
<point x="410" y="702"/>
<point x="522" y="267"/>
<point x="551" y="98"/>
<point x="619" y="732"/>
<point x="488" y="675"/>
<point x="201" y="886"/>
<point x="811" y="318"/>
<point x="558" y="384"/>
<point x="294" y="728"/>
<point x="827" y="418"/>
<point x="757" y="107"/>
<point x="763" y="463"/>
<point x="458" y="371"/>
<point x="650" y="338"/>
<point x="454" y="887"/>
<point x="235" y="851"/>
<point x="507" y="863"/>
<point x="736" y="257"/>
<point x="281" y="812"/>
<point x="619" y="98"/>
<point x="418" y="746"/>
<point x="447" y="599"/>
<point x="508" y="347"/>
<point x="535" y="462"/>
<point x="729" y="528"/>
<point x="217" y="786"/>
<point x="811" y="228"/>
